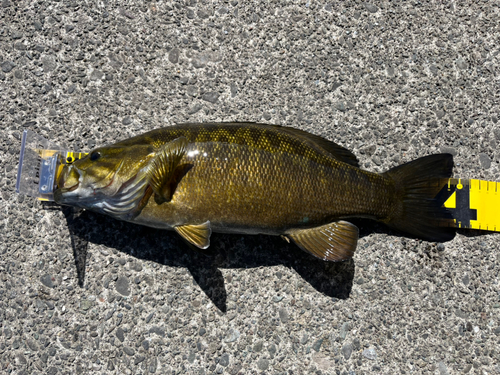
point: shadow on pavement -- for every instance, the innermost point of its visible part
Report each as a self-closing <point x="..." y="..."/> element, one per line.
<point x="228" y="251"/>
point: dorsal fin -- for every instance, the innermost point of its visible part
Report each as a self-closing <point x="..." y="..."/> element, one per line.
<point x="338" y="152"/>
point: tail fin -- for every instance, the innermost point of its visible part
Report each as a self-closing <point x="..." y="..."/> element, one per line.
<point x="418" y="213"/>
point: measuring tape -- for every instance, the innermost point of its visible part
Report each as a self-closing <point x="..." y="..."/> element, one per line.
<point x="473" y="204"/>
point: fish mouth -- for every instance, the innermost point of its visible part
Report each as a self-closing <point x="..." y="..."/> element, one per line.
<point x="68" y="182"/>
<point x="73" y="190"/>
<point x="61" y="195"/>
<point x="120" y="200"/>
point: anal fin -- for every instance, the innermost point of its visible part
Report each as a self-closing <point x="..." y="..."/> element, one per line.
<point x="332" y="242"/>
<point x="197" y="235"/>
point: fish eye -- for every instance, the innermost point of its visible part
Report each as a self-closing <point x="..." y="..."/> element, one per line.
<point x="95" y="155"/>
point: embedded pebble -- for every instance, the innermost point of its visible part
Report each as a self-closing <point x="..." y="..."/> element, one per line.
<point x="371" y="7"/>
<point x="47" y="281"/>
<point x="370" y="353"/>
<point x="224" y="360"/>
<point x="283" y="314"/>
<point x="344" y="330"/>
<point x="7" y="66"/>
<point x="122" y="286"/>
<point x="86" y="304"/>
<point x="120" y="334"/>
<point x="127" y="120"/>
<point x="210" y="97"/>
<point x="173" y="56"/>
<point x="485" y="160"/>
<point x="263" y="364"/>
<point x="443" y="370"/>
<point x="347" y="350"/>
<point x="128" y="350"/>
<point x="231" y="336"/>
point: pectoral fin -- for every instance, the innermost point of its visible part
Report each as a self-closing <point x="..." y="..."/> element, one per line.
<point x="333" y="242"/>
<point x="198" y="235"/>
<point x="161" y="168"/>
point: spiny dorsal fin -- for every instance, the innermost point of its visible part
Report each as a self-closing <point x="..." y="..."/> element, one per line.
<point x="161" y="168"/>
<point x="338" y="152"/>
<point x="333" y="242"/>
<point x="198" y="235"/>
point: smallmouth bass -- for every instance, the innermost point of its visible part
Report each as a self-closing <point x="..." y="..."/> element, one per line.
<point x="255" y="179"/>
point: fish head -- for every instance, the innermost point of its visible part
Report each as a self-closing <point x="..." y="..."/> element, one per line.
<point x="107" y="176"/>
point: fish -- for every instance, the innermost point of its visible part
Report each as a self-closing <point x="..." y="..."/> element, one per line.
<point x="253" y="179"/>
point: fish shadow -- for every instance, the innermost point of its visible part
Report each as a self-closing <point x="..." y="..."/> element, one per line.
<point x="227" y="251"/>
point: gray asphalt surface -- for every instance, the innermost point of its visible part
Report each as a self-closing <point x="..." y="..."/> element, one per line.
<point x="391" y="81"/>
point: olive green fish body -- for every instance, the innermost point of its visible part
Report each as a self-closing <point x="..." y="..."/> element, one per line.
<point x="247" y="178"/>
<point x="258" y="184"/>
